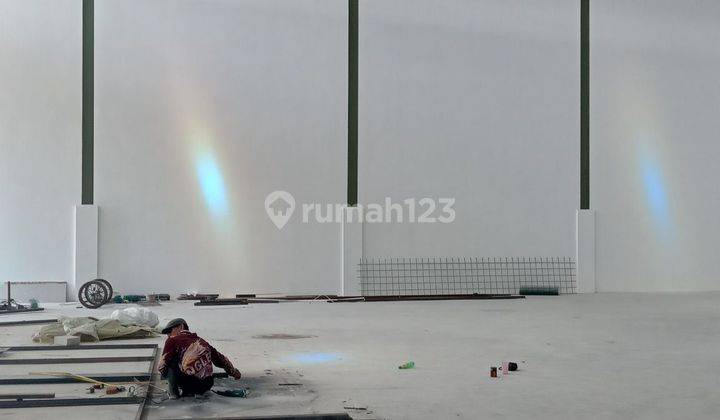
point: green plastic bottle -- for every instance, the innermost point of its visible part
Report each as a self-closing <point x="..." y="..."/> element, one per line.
<point x="407" y="365"/>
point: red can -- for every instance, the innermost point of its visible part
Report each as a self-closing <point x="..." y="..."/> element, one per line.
<point x="493" y="372"/>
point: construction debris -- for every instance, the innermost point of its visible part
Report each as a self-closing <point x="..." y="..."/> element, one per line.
<point x="306" y="297"/>
<point x="347" y="299"/>
<point x="220" y="302"/>
<point x="9" y="306"/>
<point x="539" y="291"/>
<point x="136" y="316"/>
<point x="91" y="329"/>
<point x="197" y="296"/>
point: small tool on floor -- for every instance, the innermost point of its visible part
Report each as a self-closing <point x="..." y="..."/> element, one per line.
<point x="114" y="389"/>
<point x="111" y="390"/>
<point x="407" y="365"/>
<point x="509" y="367"/>
<point x="235" y="393"/>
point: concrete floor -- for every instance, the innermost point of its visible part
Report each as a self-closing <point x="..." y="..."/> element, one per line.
<point x="602" y="356"/>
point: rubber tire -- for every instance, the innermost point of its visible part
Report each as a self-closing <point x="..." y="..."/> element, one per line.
<point x="83" y="297"/>
<point x="109" y="287"/>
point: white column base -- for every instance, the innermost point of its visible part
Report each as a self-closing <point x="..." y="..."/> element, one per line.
<point x="86" y="248"/>
<point x="352" y="241"/>
<point x="585" y="251"/>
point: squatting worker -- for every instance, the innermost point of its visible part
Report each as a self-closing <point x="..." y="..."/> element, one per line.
<point x="187" y="361"/>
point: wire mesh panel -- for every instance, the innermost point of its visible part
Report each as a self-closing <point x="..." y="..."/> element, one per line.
<point x="444" y="276"/>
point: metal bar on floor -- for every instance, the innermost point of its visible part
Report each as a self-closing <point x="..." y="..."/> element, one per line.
<point x="26" y="396"/>
<point x="19" y="311"/>
<point x="69" y="402"/>
<point x="84" y="347"/>
<point x="141" y="410"/>
<point x="329" y="416"/>
<point x="72" y="360"/>
<point x="222" y="302"/>
<point x="387" y="298"/>
<point x="101" y="377"/>
<point x="27" y="322"/>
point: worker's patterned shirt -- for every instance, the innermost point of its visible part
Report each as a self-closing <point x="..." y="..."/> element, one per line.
<point x="193" y="355"/>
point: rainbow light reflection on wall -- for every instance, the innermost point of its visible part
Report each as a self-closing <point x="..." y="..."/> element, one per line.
<point x="650" y="149"/>
<point x="212" y="184"/>
<point x="655" y="193"/>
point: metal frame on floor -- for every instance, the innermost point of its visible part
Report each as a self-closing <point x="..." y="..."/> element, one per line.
<point x="76" y="402"/>
<point x="70" y="402"/>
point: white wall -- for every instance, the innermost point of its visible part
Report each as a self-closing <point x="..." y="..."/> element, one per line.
<point x="40" y="137"/>
<point x="246" y="96"/>
<point x="654" y="148"/>
<point x="477" y="100"/>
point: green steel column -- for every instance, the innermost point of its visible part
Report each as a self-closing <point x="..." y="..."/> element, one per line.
<point x="352" y="175"/>
<point x="584" y="104"/>
<point x="88" y="71"/>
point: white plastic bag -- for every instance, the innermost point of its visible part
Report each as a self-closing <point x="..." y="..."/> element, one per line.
<point x="135" y="315"/>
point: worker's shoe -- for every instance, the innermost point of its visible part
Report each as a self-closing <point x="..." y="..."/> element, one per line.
<point x="202" y="397"/>
<point x="174" y="393"/>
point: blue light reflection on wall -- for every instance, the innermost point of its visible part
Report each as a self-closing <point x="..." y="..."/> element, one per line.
<point x="655" y="194"/>
<point x="212" y="185"/>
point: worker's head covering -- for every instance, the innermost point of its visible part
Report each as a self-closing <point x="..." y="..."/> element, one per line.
<point x="174" y="323"/>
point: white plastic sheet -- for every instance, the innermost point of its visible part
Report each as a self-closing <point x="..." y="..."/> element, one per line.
<point x="135" y="315"/>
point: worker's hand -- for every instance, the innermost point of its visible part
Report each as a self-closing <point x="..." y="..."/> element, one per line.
<point x="236" y="374"/>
